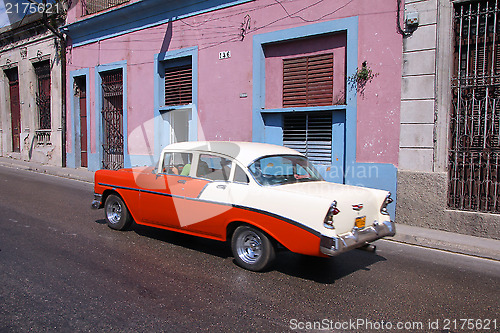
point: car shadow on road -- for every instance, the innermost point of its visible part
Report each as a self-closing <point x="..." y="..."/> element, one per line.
<point x="325" y="270"/>
<point x="321" y="270"/>
<point x="200" y="244"/>
<point x="205" y="245"/>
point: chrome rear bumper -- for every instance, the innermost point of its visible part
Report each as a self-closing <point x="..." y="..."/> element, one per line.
<point x="356" y="238"/>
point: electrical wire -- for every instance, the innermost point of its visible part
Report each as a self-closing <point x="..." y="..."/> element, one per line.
<point x="204" y="39"/>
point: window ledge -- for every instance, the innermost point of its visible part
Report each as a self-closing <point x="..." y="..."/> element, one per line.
<point x="306" y="109"/>
<point x="165" y="109"/>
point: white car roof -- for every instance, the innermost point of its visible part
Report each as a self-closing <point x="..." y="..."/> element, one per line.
<point x="244" y="152"/>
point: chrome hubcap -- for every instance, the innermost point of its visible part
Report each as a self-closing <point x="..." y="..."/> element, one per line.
<point x="114" y="212"/>
<point x="249" y="247"/>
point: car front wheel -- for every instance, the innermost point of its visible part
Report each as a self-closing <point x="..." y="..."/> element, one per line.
<point x="117" y="214"/>
<point x="252" y="249"/>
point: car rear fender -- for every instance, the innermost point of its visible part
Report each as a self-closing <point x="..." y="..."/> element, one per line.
<point x="282" y="233"/>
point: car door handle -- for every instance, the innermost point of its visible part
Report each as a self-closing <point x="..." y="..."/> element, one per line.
<point x="182" y="181"/>
<point x="222" y="187"/>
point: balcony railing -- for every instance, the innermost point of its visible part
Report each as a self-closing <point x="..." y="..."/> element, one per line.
<point x="94" y="6"/>
<point x="42" y="137"/>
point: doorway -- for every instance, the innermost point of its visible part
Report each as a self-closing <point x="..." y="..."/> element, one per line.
<point x="81" y="98"/>
<point x="15" y="109"/>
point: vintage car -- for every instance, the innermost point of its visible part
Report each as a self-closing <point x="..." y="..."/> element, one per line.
<point x="259" y="197"/>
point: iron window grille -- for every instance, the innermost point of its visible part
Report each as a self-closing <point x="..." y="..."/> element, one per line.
<point x="308" y="81"/>
<point x="42" y="72"/>
<point x="112" y="115"/>
<point x="474" y="154"/>
<point x="310" y="133"/>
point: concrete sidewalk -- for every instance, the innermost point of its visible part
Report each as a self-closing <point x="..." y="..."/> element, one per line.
<point x="448" y="241"/>
<point x="437" y="239"/>
<point x="78" y="174"/>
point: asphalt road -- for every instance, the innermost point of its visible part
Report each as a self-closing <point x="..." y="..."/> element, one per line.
<point x="63" y="270"/>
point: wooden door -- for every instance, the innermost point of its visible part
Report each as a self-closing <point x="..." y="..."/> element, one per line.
<point x="15" y="109"/>
<point x="83" y="122"/>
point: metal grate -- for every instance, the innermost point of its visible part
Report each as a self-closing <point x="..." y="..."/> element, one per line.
<point x="309" y="133"/>
<point x="112" y="115"/>
<point x="95" y="6"/>
<point x="178" y="85"/>
<point x="474" y="156"/>
<point x="42" y="71"/>
<point x="308" y="81"/>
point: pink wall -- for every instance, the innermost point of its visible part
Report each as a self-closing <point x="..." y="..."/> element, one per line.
<point x="379" y="106"/>
<point x="223" y="114"/>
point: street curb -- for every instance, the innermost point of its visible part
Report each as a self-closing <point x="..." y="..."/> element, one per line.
<point x="486" y="248"/>
<point x="430" y="238"/>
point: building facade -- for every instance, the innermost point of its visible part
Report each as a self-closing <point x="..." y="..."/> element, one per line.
<point x="322" y="77"/>
<point x="449" y="166"/>
<point x="31" y="116"/>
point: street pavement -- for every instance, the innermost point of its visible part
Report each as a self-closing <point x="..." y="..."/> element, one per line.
<point x="437" y="239"/>
<point x="63" y="270"/>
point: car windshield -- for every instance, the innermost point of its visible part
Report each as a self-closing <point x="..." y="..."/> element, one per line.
<point x="283" y="169"/>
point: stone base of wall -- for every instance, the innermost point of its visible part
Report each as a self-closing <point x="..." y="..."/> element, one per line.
<point x="422" y="202"/>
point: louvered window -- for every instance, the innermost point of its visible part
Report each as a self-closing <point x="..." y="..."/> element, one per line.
<point x="308" y="81"/>
<point x="178" y="85"/>
<point x="310" y="133"/>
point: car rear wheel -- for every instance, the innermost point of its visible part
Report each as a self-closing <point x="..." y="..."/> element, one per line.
<point x="252" y="249"/>
<point x="117" y="214"/>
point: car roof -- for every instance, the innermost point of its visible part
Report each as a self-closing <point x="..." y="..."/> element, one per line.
<point x="244" y="152"/>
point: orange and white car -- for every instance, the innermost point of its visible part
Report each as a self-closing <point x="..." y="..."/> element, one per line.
<point x="259" y="197"/>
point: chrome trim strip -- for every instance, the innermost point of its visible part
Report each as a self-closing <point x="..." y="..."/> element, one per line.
<point x="256" y="210"/>
<point x="284" y="219"/>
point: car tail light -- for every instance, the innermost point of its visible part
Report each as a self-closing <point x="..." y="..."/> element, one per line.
<point x="332" y="211"/>
<point x="387" y="201"/>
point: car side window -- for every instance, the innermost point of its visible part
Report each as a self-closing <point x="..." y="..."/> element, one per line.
<point x="214" y="167"/>
<point x="177" y="163"/>
<point x="240" y="176"/>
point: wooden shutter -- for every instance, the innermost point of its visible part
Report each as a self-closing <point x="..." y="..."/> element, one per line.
<point x="308" y="81"/>
<point x="310" y="133"/>
<point x="178" y="85"/>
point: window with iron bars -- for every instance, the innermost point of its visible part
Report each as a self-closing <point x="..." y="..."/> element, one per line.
<point x="42" y="71"/>
<point x="94" y="6"/>
<point x="112" y="119"/>
<point x="474" y="154"/>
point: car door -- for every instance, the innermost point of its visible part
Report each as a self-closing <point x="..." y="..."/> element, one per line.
<point x="228" y="185"/>
<point x="169" y="191"/>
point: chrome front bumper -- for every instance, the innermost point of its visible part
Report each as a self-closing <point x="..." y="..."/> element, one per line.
<point x="97" y="202"/>
<point x="356" y="238"/>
